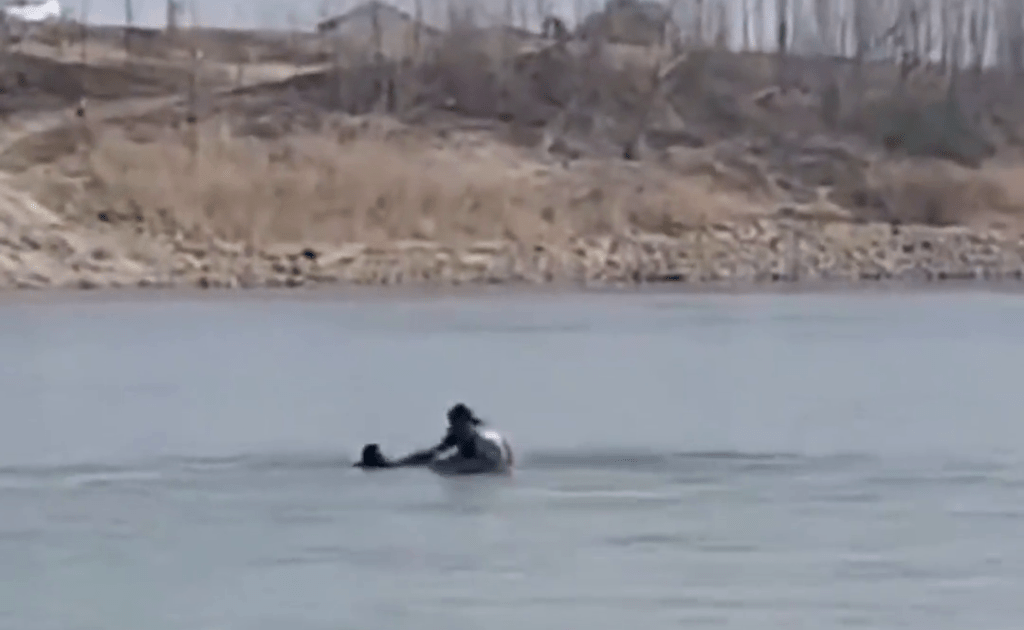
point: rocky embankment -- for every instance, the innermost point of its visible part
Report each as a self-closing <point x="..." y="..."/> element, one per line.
<point x="761" y="251"/>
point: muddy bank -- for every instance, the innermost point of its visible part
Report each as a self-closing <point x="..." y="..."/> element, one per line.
<point x="751" y="252"/>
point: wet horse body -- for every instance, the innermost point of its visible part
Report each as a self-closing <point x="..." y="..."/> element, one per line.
<point x="492" y="454"/>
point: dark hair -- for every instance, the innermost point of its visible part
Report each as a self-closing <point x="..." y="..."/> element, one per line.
<point x="460" y="411"/>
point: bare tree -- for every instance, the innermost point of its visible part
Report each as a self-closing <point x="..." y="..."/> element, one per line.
<point x="913" y="13"/>
<point x="1011" y="36"/>
<point x="666" y="59"/>
<point x="745" y="7"/>
<point x="192" y="100"/>
<point x="946" y="27"/>
<point x="723" y="27"/>
<point x="86" y="5"/>
<point x="698" y="23"/>
<point x="129" y="21"/>
<point x="863" y="30"/>
<point x="173" y="10"/>
<point x="929" y="29"/>
<point x="781" y="39"/>
<point x="378" y="36"/>
<point x="980" y="25"/>
<point x="417" y="31"/>
<point x="542" y="9"/>
<point x="760" y="18"/>
<point x="795" y="23"/>
<point x="825" y="22"/>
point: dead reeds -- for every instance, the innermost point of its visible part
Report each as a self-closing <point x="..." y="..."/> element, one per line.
<point x="596" y="91"/>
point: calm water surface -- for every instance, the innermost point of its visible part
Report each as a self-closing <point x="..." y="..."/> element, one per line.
<point x="686" y="461"/>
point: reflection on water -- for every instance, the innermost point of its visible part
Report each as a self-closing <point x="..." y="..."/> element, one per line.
<point x="715" y="461"/>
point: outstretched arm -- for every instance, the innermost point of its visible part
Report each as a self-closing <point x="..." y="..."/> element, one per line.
<point x="449" y="441"/>
<point x="416" y="459"/>
<point x="428" y="454"/>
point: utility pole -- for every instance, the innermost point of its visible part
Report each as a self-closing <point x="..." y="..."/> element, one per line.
<point x="172" y="17"/>
<point x="128" y="21"/>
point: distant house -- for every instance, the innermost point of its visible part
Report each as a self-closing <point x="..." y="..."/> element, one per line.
<point x="637" y="22"/>
<point x="361" y="27"/>
<point x="33" y="11"/>
<point x="24" y="18"/>
<point x="360" y="20"/>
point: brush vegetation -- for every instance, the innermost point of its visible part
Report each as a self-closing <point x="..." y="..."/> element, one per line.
<point x="639" y="117"/>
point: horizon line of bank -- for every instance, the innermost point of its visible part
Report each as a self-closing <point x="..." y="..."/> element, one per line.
<point x="761" y="253"/>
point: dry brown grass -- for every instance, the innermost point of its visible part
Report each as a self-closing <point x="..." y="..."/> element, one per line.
<point x="369" y="181"/>
<point x="318" y="189"/>
<point x="938" y="193"/>
<point x="735" y="153"/>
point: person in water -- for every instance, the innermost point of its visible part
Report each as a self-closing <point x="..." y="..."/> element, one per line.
<point x="461" y="434"/>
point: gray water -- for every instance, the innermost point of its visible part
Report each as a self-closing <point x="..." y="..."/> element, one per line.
<point x="685" y="461"/>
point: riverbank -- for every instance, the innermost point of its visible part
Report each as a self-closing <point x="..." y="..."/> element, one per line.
<point x="749" y="253"/>
<point x="108" y="206"/>
<point x="367" y="201"/>
<point x="277" y="182"/>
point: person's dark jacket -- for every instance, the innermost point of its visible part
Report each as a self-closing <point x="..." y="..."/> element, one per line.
<point x="464" y="440"/>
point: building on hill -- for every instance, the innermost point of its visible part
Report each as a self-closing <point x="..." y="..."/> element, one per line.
<point x="33" y="11"/>
<point x="638" y="22"/>
<point x="377" y="27"/>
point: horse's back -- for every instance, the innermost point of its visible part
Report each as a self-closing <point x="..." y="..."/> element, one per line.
<point x="494" y="455"/>
<point x="497" y="447"/>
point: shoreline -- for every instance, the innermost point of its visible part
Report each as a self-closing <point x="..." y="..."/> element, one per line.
<point x="409" y="296"/>
<point x="168" y="177"/>
<point x="405" y="294"/>
<point x="751" y="257"/>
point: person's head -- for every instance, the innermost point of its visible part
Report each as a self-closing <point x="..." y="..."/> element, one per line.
<point x="461" y="416"/>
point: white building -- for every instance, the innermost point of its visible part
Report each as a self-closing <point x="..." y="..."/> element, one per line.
<point x="32" y="11"/>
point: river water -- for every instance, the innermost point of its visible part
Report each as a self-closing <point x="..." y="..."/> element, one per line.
<point x="762" y="462"/>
